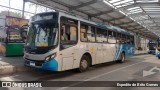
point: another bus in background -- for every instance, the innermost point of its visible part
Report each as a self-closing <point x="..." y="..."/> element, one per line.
<point x="158" y="48"/>
<point x="151" y="47"/>
<point x="12" y="35"/>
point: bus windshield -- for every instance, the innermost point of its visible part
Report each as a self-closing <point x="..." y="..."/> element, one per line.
<point x="43" y="33"/>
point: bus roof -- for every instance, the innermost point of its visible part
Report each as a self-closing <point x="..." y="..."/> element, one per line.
<point x="113" y="28"/>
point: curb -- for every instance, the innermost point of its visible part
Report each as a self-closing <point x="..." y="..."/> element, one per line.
<point x="141" y="54"/>
<point x="14" y="69"/>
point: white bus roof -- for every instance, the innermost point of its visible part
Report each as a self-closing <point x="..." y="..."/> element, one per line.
<point x="113" y="28"/>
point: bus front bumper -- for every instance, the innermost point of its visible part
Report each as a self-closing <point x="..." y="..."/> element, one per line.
<point x="51" y="65"/>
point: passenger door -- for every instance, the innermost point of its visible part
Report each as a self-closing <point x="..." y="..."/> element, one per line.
<point x="68" y="42"/>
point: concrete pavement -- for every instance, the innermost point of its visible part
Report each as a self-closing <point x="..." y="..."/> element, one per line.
<point x="131" y="70"/>
<point x="11" y="65"/>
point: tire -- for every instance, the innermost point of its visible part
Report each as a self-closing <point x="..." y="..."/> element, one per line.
<point x="84" y="63"/>
<point x="122" y="58"/>
<point x="158" y="57"/>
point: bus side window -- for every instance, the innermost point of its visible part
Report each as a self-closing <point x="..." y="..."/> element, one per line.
<point x="83" y="34"/>
<point x="128" y="40"/>
<point x="87" y="33"/>
<point x="73" y="33"/>
<point x="91" y="34"/>
<point x="124" y="38"/>
<point x="68" y="32"/>
<point x="119" y="38"/>
<point x="101" y="35"/>
<point x="111" y="37"/>
<point x="63" y="33"/>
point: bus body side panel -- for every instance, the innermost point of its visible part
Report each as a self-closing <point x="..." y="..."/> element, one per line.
<point x="109" y="52"/>
<point x="119" y="50"/>
<point x="126" y="48"/>
<point x="100" y="53"/>
<point x="129" y="50"/>
<point x="81" y="49"/>
<point x="70" y="57"/>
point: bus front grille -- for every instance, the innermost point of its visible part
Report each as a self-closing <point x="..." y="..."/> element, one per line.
<point x="37" y="63"/>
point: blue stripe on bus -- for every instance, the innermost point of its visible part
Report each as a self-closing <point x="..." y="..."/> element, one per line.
<point x="51" y="65"/>
<point x="116" y="29"/>
<point x="127" y="48"/>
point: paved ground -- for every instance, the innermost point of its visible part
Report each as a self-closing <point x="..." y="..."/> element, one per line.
<point x="11" y="65"/>
<point x="131" y="70"/>
<point x="15" y="61"/>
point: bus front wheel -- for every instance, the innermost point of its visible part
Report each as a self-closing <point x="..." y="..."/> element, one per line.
<point x="84" y="63"/>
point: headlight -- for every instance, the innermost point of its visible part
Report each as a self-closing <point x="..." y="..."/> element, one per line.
<point x="50" y="57"/>
<point x="53" y="56"/>
<point x="47" y="58"/>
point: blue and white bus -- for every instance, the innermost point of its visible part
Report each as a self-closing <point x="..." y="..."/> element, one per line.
<point x="158" y="48"/>
<point x="151" y="47"/>
<point x="58" y="41"/>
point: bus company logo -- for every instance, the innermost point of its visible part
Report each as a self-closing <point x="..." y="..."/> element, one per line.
<point x="6" y="84"/>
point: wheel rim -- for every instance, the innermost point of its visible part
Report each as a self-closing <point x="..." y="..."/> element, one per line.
<point x="84" y="64"/>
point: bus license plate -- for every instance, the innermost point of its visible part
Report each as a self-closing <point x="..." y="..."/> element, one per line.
<point x="32" y="63"/>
